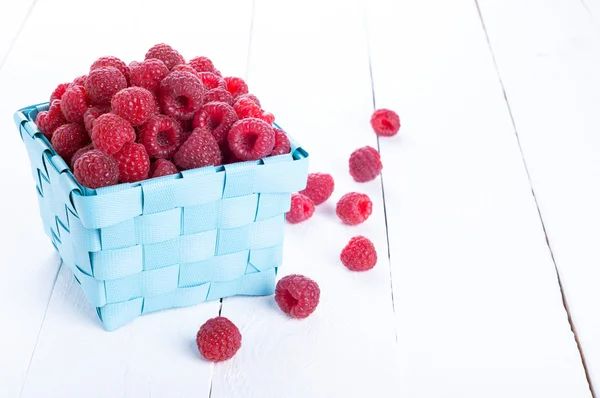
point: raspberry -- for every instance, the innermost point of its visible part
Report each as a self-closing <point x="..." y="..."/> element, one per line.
<point x="359" y="254"/>
<point x="162" y="167"/>
<point x="211" y="81"/>
<point x="49" y="121"/>
<point x="68" y="138"/>
<point x="74" y="104"/>
<point x="112" y="62"/>
<point x="297" y="295"/>
<point x="161" y="136"/>
<point x="200" y="149"/>
<point x="301" y="209"/>
<point x="90" y="116"/>
<point x="218" y="95"/>
<point x="282" y="143"/>
<point x="102" y="83"/>
<point x="218" y="339"/>
<point x="79" y="153"/>
<point x="79" y="81"/>
<point x="268" y="117"/>
<point x="180" y="95"/>
<point x="59" y="91"/>
<point x="202" y="64"/>
<point x="148" y="74"/>
<point x="319" y="187"/>
<point x="236" y="86"/>
<point x="385" y="122"/>
<point x="165" y="53"/>
<point x="245" y="107"/>
<point x="216" y="117"/>
<point x="95" y="169"/>
<point x="354" y="208"/>
<point x="185" y="68"/>
<point x="134" y="104"/>
<point x="111" y="132"/>
<point x="365" y="164"/>
<point x="250" y="96"/>
<point x="251" y="139"/>
<point x="133" y="162"/>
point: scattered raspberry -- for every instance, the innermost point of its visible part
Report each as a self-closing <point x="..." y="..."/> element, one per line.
<point x="385" y="122"/>
<point x="80" y="152"/>
<point x="68" y="138"/>
<point x="79" y="81"/>
<point x="95" y="169"/>
<point x="49" y="121"/>
<point x="211" y="81"/>
<point x="161" y="135"/>
<point x="252" y="97"/>
<point x="200" y="149"/>
<point x="113" y="62"/>
<point x="282" y="143"/>
<point x="319" y="187"/>
<point x="162" y="167"/>
<point x="90" y="116"/>
<point x="301" y="209"/>
<point x="216" y="117"/>
<point x="167" y="54"/>
<point x="245" y="108"/>
<point x="365" y="164"/>
<point x="268" y="117"/>
<point x="354" y="208"/>
<point x="102" y="83"/>
<point x="251" y="139"/>
<point x="134" y="104"/>
<point x="297" y="295"/>
<point x="202" y="64"/>
<point x="359" y="254"/>
<point x="133" y="162"/>
<point x="218" y="95"/>
<point x="218" y="339"/>
<point x="111" y="132"/>
<point x="185" y="68"/>
<point x="181" y="94"/>
<point x="59" y="91"/>
<point x="236" y="86"/>
<point x="74" y="104"/>
<point x="148" y="74"/>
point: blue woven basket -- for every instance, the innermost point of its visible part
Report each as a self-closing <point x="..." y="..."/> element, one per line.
<point x="166" y="242"/>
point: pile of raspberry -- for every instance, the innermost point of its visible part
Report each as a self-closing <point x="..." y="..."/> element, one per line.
<point x="126" y="123"/>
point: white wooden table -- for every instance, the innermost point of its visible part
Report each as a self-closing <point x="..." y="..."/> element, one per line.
<point x="485" y="218"/>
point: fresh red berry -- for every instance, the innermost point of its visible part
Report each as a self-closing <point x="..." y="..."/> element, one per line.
<point x="134" y="104"/>
<point x="93" y="113"/>
<point x="297" y="295"/>
<point x="102" y="83"/>
<point x="95" y="169"/>
<point x="165" y="53"/>
<point x="79" y="153"/>
<point x="68" y="138"/>
<point x="268" y="117"/>
<point x="133" y="162"/>
<point x="216" y="117"/>
<point x="111" y="132"/>
<point x="218" y="339"/>
<point x="162" y="167"/>
<point x="319" y="187"/>
<point x="245" y="108"/>
<point x="250" y="96"/>
<point x="354" y="208"/>
<point x="236" y="86"/>
<point x="49" y="121"/>
<point x="78" y="81"/>
<point x="200" y="149"/>
<point x="359" y="254"/>
<point x="202" y="64"/>
<point x="385" y="122"/>
<point x="218" y="95"/>
<point x="211" y="81"/>
<point x="113" y="62"/>
<point x="181" y="94"/>
<point x="74" y="104"/>
<point x="282" y="143"/>
<point x="161" y="135"/>
<point x="59" y="91"/>
<point x="148" y="74"/>
<point x="301" y="209"/>
<point x="365" y="164"/>
<point x="185" y="68"/>
<point x="251" y="139"/>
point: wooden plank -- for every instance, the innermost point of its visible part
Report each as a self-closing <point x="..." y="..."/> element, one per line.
<point x="12" y="17"/>
<point x="479" y="310"/>
<point x="552" y="80"/>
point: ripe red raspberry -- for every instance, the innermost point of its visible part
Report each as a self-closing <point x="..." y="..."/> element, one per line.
<point x="165" y="53"/>
<point x="250" y="96"/>
<point x="68" y="138"/>
<point x="111" y="132"/>
<point x="319" y="187"/>
<point x="162" y="167"/>
<point x="218" y="339"/>
<point x="251" y="139"/>
<point x="180" y="95"/>
<point x="134" y="104"/>
<point x="112" y="62"/>
<point x="93" y="113"/>
<point x="211" y="81"/>
<point x="245" y="108"/>
<point x="236" y="86"/>
<point x="354" y="208"/>
<point x="185" y="68"/>
<point x="59" y="91"/>
<point x="200" y="149"/>
<point x="365" y="164"/>
<point x="102" y="83"/>
<point x="133" y="162"/>
<point x="74" y="104"/>
<point x="79" y="81"/>
<point x="202" y="64"/>
<point x="49" y="121"/>
<point x="282" y="143"/>
<point x="218" y="95"/>
<point x="297" y="295"/>
<point x="148" y="74"/>
<point x="268" y="117"/>
<point x="161" y="135"/>
<point x="79" y="153"/>
<point x="301" y="209"/>
<point x="95" y="169"/>
<point x="216" y="117"/>
<point x="385" y="122"/>
<point x="359" y="254"/>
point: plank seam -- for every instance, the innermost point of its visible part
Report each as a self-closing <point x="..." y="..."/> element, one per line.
<point x="14" y="40"/>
